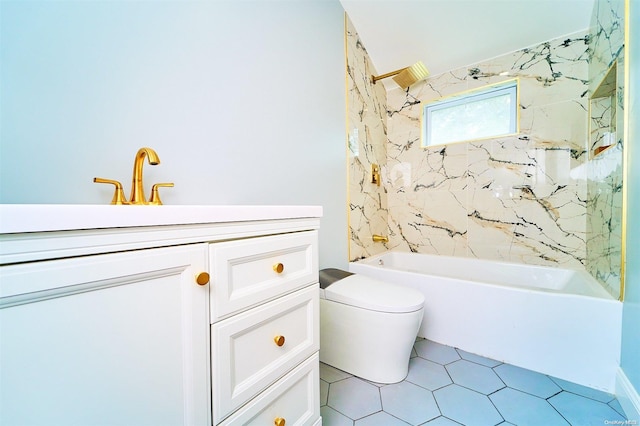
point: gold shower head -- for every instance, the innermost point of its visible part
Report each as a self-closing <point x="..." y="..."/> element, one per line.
<point x="405" y="77"/>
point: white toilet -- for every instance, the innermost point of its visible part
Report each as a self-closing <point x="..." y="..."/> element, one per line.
<point x="368" y="327"/>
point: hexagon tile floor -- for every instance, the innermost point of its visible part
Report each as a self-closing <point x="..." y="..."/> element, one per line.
<point x="447" y="386"/>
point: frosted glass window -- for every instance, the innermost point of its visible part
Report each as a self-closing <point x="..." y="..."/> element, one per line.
<point x="490" y="112"/>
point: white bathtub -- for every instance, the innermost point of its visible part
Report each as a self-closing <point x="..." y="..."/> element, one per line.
<point x="555" y="321"/>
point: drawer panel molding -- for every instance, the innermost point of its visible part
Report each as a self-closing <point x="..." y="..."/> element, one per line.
<point x="248" y="272"/>
<point x="295" y="398"/>
<point x="246" y="357"/>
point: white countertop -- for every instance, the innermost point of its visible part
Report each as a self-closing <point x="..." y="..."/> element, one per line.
<point x="15" y="218"/>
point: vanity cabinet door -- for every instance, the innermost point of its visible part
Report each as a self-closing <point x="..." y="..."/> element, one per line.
<point x="114" y="339"/>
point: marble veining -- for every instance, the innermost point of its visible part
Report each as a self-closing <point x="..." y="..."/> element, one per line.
<point x="604" y="170"/>
<point x="511" y="198"/>
<point x="367" y="136"/>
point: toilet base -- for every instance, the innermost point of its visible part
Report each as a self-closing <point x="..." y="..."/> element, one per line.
<point x="372" y="345"/>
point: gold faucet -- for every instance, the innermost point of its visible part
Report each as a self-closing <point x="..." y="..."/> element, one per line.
<point x="380" y="239"/>
<point x="137" y="186"/>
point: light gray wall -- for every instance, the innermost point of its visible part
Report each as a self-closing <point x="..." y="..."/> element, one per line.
<point x="244" y="102"/>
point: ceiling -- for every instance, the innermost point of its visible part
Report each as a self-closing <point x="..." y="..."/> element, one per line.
<point x="448" y="34"/>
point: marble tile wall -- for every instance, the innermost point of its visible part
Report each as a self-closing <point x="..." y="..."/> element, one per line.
<point x="605" y="172"/>
<point x="367" y="127"/>
<point x="530" y="198"/>
<point x="519" y="198"/>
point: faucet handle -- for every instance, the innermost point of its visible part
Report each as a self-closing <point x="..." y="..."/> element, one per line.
<point x="155" y="195"/>
<point x="118" y="195"/>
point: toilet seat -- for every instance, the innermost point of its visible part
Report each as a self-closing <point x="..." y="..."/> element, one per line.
<point x="367" y="293"/>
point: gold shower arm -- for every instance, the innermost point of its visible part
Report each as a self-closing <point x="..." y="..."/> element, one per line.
<point x="389" y="74"/>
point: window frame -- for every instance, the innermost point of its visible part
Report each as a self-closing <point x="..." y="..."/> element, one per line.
<point x="511" y="87"/>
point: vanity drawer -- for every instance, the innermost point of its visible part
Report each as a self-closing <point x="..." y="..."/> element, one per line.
<point x="295" y="398"/>
<point x="245" y="355"/>
<point x="248" y="272"/>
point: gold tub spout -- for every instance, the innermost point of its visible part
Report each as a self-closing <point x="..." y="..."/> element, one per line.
<point x="380" y="239"/>
<point x="137" y="187"/>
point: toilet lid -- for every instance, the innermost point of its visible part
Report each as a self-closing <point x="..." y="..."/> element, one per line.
<point x="368" y="293"/>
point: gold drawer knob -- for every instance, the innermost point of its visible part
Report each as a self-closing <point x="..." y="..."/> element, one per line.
<point x="279" y="341"/>
<point x="202" y="278"/>
<point x="278" y="267"/>
<point x="279" y="421"/>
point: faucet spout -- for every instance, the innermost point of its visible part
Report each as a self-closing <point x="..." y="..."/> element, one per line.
<point x="380" y="239"/>
<point x="137" y="187"/>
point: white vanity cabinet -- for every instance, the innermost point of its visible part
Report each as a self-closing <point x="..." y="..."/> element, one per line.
<point x="105" y="339"/>
<point x="115" y="324"/>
